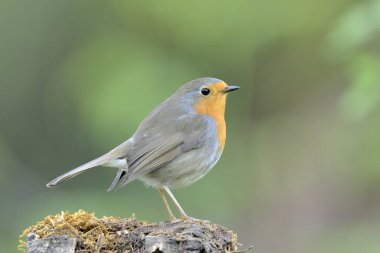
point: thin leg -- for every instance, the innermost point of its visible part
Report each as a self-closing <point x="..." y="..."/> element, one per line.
<point x="184" y="216"/>
<point x="171" y="216"/>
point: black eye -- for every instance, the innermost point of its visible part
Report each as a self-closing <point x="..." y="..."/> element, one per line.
<point x="205" y="91"/>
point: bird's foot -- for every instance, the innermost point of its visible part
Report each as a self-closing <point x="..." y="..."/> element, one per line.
<point x="188" y="218"/>
<point x="172" y="218"/>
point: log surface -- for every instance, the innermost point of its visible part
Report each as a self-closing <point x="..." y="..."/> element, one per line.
<point x="83" y="232"/>
<point x="56" y="244"/>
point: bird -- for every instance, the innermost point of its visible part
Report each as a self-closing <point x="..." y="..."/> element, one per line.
<point x="176" y="144"/>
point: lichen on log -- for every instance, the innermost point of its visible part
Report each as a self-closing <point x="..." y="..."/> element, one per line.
<point x="114" y="235"/>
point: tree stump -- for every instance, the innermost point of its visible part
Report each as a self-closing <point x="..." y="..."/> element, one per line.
<point x="83" y="232"/>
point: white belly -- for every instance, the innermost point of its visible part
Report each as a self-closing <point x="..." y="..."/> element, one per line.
<point x="183" y="170"/>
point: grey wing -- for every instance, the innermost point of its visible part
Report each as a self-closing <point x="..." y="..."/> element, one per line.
<point x="159" y="148"/>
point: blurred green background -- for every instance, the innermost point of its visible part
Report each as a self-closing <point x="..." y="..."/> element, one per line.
<point x="301" y="168"/>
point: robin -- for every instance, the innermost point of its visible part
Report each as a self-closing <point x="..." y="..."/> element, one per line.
<point x="174" y="146"/>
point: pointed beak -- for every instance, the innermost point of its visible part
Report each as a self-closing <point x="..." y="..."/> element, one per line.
<point x="230" y="88"/>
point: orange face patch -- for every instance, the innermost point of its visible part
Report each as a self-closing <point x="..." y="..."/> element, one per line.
<point x="214" y="106"/>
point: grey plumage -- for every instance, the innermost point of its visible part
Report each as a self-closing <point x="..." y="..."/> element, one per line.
<point x="158" y="141"/>
<point x="111" y="156"/>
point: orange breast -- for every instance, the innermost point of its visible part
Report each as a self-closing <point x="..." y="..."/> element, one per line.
<point x="214" y="106"/>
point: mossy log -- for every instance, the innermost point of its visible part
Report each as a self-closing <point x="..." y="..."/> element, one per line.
<point x="83" y="232"/>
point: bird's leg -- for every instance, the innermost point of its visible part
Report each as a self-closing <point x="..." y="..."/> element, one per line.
<point x="171" y="215"/>
<point x="184" y="216"/>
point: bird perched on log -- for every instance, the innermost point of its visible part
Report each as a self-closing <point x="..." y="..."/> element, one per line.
<point x="174" y="146"/>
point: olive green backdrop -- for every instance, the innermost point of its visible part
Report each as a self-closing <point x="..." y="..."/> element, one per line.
<point x="301" y="167"/>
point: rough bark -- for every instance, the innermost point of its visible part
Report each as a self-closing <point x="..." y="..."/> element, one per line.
<point x="83" y="232"/>
<point x="56" y="244"/>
